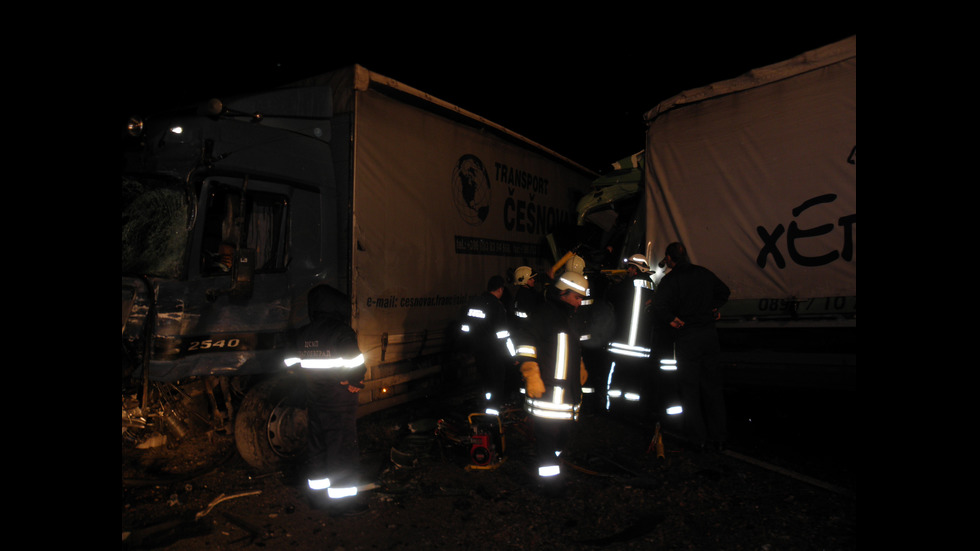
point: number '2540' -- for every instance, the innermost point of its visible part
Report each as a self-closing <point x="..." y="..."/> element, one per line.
<point x="210" y="343"/>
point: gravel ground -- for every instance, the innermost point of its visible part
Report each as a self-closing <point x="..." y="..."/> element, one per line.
<point x="619" y="494"/>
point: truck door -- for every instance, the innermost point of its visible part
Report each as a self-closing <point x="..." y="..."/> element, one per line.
<point x="239" y="328"/>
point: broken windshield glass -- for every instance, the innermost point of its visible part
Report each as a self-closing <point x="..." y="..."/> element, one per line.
<point x="155" y="216"/>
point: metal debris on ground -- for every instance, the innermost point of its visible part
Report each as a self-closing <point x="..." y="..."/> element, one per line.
<point x="221" y="498"/>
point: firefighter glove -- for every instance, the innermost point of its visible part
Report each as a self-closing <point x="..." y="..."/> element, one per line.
<point x="533" y="384"/>
<point x="583" y="374"/>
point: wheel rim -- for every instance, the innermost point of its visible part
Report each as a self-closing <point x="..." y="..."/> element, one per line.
<point x="287" y="430"/>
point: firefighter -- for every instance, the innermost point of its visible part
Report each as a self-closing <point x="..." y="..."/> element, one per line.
<point x="333" y="369"/>
<point x="487" y="330"/>
<point x="631" y="347"/>
<point x="528" y="293"/>
<point x="550" y="353"/>
<point x="596" y="322"/>
<point x="527" y="296"/>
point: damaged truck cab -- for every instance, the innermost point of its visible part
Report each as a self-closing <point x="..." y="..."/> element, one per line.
<point x="234" y="210"/>
<point x="213" y="201"/>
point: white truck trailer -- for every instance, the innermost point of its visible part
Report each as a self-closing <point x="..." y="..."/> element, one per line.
<point x="757" y="176"/>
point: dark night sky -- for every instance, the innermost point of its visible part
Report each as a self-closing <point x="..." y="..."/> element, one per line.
<point x="582" y="94"/>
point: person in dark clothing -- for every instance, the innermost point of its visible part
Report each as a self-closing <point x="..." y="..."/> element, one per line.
<point x="630" y="348"/>
<point x="596" y="321"/>
<point x="550" y="353"/>
<point x="527" y="296"/>
<point x="688" y="299"/>
<point x="486" y="326"/>
<point x="333" y="369"/>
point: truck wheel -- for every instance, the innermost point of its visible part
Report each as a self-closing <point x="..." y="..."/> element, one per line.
<point x="270" y="428"/>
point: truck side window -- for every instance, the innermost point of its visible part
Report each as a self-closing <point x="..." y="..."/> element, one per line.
<point x="262" y="228"/>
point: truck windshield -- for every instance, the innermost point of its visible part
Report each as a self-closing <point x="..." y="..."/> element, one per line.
<point x="155" y="216"/>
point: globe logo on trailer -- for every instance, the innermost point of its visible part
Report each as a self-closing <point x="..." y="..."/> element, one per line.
<point x="471" y="190"/>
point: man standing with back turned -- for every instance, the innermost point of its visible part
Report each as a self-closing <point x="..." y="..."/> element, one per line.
<point x="487" y="327"/>
<point x="333" y="367"/>
<point x="688" y="299"/>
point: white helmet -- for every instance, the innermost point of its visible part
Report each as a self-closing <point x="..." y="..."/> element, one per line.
<point x="575" y="264"/>
<point x="522" y="275"/>
<point x="574" y="282"/>
<point x="639" y="261"/>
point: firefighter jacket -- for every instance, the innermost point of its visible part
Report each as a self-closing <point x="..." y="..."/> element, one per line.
<point x="328" y="346"/>
<point x="631" y="300"/>
<point x="486" y="327"/>
<point x="551" y="342"/>
<point x="526" y="301"/>
<point x="596" y="322"/>
<point x="327" y="352"/>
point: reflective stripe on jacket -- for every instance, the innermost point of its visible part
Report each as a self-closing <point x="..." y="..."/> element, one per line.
<point x="634" y="336"/>
<point x="553" y="342"/>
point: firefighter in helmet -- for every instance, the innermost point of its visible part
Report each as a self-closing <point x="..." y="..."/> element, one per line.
<point x="596" y="323"/>
<point x="527" y="295"/>
<point x="632" y="344"/>
<point x="550" y="353"/>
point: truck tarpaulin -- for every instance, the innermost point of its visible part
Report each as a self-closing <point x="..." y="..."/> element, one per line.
<point x="757" y="175"/>
<point x="443" y="200"/>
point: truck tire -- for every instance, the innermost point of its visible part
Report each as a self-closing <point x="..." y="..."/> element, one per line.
<point x="270" y="428"/>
